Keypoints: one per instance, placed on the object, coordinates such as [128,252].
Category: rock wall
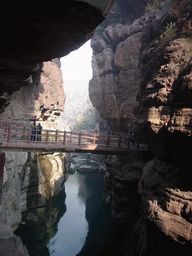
[116,61]
[167,203]
[10,245]
[142,73]
[36,32]
[43,99]
[29,181]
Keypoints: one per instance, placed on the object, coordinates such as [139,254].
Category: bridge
[16,137]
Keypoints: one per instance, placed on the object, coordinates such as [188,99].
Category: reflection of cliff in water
[41,224]
[101,235]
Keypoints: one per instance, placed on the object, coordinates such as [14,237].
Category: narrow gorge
[142,73]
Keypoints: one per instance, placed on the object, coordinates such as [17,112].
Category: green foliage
[41,213]
[152,5]
[168,34]
[189,8]
[87,122]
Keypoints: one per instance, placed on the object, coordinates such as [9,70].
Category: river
[82,224]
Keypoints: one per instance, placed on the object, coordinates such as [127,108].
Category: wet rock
[87,163]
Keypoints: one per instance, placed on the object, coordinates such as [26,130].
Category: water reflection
[73,227]
[100,238]
[41,225]
[86,228]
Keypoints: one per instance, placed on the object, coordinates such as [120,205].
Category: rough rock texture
[10,245]
[167,200]
[167,97]
[167,204]
[116,62]
[121,178]
[2,163]
[143,68]
[42,100]
[11,189]
[29,181]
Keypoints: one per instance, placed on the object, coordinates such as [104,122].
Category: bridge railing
[14,133]
[11,133]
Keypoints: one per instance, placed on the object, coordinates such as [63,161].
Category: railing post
[23,133]
[85,139]
[128,143]
[47,137]
[108,141]
[137,144]
[6,131]
[64,138]
[9,134]
[119,141]
[29,136]
[79,139]
[94,139]
[71,136]
[56,135]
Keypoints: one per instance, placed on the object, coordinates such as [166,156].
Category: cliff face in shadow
[41,224]
[37,31]
[142,74]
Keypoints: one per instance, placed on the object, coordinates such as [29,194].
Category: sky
[77,65]
[76,72]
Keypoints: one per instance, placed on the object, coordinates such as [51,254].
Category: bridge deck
[18,138]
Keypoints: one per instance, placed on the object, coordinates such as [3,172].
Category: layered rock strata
[167,201]
[143,68]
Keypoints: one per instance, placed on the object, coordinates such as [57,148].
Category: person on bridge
[33,131]
[39,132]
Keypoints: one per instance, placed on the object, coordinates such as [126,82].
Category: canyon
[141,78]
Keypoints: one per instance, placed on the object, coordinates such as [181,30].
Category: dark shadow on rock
[161,245]
[41,225]
[101,238]
[173,147]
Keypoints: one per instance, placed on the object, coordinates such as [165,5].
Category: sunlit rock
[29,181]
[167,200]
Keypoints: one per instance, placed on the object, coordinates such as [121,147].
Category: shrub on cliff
[152,5]
[87,121]
[169,33]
